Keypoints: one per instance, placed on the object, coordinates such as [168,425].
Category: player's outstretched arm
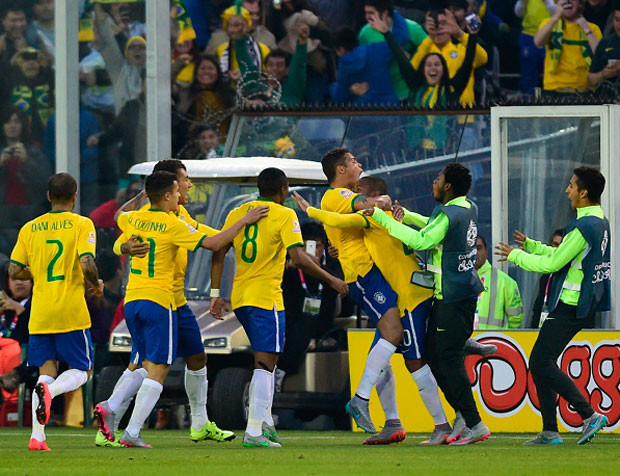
[303,261]
[130,205]
[89,268]
[362,202]
[17,271]
[425,239]
[224,237]
[338,220]
[132,246]
[217,304]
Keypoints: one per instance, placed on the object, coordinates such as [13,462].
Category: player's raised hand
[301,201]
[96,291]
[398,212]
[503,250]
[256,214]
[333,251]
[135,247]
[216,306]
[340,286]
[384,202]
[519,237]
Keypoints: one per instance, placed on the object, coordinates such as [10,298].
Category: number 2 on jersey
[50,267]
[251,233]
[151,260]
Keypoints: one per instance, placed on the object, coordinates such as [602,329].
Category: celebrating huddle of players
[425,310]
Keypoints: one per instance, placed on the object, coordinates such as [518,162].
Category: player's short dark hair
[381,5]
[280,53]
[331,160]
[459,177]
[158,184]
[345,37]
[484,242]
[169,165]
[591,180]
[271,181]
[61,187]
[376,184]
[616,5]
[313,230]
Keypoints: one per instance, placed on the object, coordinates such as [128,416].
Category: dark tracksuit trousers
[557,331]
[449,327]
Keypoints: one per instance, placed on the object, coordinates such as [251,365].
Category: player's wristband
[215,293]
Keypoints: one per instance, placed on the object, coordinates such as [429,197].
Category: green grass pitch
[303,453]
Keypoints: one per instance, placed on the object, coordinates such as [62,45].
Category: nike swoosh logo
[440,330]
[608,49]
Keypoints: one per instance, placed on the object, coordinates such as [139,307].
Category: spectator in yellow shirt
[450,41]
[570,42]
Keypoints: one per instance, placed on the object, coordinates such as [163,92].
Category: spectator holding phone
[606,62]
[570,42]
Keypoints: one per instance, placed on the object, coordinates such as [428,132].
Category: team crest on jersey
[454,55]
[91,238]
[379,297]
[296,227]
[604,243]
[346,193]
[472,233]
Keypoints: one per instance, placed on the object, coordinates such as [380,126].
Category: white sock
[196,389]
[378,359]
[126,387]
[268,416]
[38,430]
[147,397]
[386,388]
[427,387]
[68,381]
[261,390]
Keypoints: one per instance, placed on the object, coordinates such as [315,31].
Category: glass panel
[306,138]
[542,153]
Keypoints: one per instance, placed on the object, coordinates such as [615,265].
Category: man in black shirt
[598,12]
[606,61]
[310,305]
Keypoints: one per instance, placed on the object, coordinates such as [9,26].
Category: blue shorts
[189,337]
[373,293]
[75,348]
[153,330]
[264,327]
[414,331]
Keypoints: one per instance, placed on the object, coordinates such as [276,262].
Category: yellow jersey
[572,70]
[178,283]
[260,252]
[51,245]
[353,254]
[396,261]
[454,54]
[151,277]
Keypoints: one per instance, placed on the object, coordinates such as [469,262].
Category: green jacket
[403,29]
[294,86]
[544,259]
[506,304]
[429,237]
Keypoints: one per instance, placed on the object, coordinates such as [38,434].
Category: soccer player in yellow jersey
[260,253]
[398,263]
[367,286]
[57,251]
[190,345]
[150,310]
